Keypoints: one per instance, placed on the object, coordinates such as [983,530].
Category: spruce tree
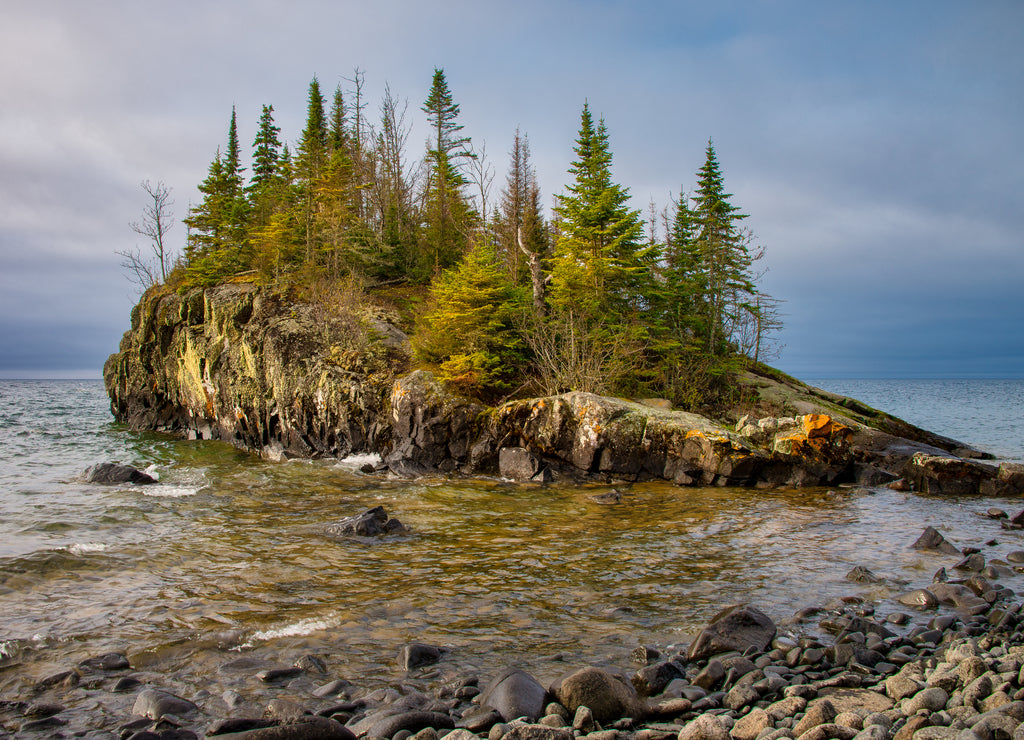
[448,214]
[722,249]
[266,151]
[601,262]
[310,159]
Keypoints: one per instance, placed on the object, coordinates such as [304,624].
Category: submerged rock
[115,473]
[371,523]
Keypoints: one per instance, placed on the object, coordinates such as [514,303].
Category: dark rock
[740,627]
[645,654]
[126,684]
[607,696]
[114,473]
[515,694]
[653,679]
[860,574]
[519,464]
[154,704]
[994,513]
[418,655]
[974,563]
[312,664]
[309,727]
[43,725]
[609,498]
[387,723]
[332,689]
[479,720]
[270,675]
[108,662]
[931,539]
[1017,556]
[371,523]
[710,676]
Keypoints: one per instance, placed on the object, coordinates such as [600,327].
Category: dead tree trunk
[537,277]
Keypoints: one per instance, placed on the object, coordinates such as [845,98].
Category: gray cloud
[876,146]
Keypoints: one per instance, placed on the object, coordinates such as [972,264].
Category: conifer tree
[337,133]
[722,249]
[469,329]
[266,151]
[519,218]
[600,262]
[310,159]
[448,214]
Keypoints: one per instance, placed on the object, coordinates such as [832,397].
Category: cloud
[875,145]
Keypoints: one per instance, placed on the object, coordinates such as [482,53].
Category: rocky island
[282,378]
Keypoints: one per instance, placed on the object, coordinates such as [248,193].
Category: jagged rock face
[236,363]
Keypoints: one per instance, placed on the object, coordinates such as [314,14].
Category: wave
[81,548]
[300,628]
[355,462]
[169,491]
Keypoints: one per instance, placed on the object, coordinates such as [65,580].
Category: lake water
[225,558]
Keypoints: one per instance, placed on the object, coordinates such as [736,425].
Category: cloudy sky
[878,147]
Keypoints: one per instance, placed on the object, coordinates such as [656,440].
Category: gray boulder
[738,627]
[608,697]
[519,464]
[154,704]
[515,694]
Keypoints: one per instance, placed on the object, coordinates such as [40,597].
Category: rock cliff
[287,378]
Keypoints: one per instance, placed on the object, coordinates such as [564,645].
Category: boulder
[738,627]
[607,696]
[154,704]
[418,655]
[931,539]
[515,694]
[704,727]
[519,464]
[944,474]
[386,723]
[109,474]
[371,523]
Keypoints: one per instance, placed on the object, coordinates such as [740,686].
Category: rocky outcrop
[248,366]
[285,378]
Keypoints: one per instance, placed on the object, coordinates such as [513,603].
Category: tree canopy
[614,308]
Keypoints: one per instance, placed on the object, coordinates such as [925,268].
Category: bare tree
[149,268]
[482,174]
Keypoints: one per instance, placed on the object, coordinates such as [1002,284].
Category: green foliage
[469,326]
[613,310]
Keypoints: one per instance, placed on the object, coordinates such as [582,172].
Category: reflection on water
[223,564]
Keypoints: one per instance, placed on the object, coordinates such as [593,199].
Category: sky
[877,147]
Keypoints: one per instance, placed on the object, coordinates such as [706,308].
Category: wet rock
[418,655]
[309,727]
[515,694]
[109,474]
[519,464]
[974,563]
[371,523]
[386,723]
[608,697]
[155,703]
[740,627]
[860,574]
[645,654]
[283,673]
[932,699]
[653,679]
[710,676]
[312,664]
[931,539]
[921,598]
[1017,556]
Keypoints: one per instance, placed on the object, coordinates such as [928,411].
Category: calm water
[225,558]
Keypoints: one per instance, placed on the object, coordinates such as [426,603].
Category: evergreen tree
[469,329]
[266,151]
[722,249]
[309,164]
[601,263]
[448,214]
[519,214]
[682,285]
[338,133]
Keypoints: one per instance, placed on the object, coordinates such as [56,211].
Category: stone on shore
[155,703]
[931,539]
[514,694]
[740,627]
[608,697]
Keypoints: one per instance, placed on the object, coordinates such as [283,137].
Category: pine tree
[601,262]
[469,329]
[338,132]
[519,212]
[309,163]
[682,284]
[448,214]
[266,151]
[722,249]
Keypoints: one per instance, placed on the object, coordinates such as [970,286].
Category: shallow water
[225,558]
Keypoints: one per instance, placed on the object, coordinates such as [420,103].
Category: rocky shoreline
[290,379]
[947,665]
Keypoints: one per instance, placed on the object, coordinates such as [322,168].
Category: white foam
[81,548]
[169,491]
[151,471]
[296,629]
[354,462]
